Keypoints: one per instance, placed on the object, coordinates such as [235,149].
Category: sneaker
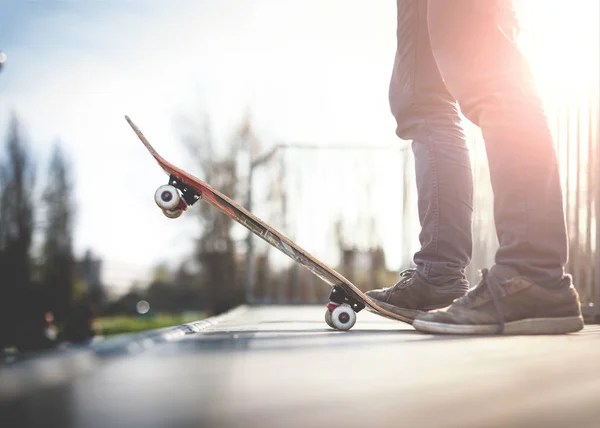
[413,295]
[505,303]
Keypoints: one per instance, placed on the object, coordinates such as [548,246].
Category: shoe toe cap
[379,295]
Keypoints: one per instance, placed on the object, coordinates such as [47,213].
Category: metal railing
[352,181]
[573,111]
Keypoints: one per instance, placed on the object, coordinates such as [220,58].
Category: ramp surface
[283,367]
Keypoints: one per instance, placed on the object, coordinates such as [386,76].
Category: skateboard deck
[184,190]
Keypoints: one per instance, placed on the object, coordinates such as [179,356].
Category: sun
[562,43]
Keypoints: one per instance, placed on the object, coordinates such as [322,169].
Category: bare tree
[216,249]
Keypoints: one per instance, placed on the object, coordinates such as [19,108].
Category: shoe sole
[525,326]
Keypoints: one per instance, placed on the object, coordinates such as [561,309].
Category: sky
[308,72]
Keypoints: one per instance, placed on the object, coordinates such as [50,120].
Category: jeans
[461,54]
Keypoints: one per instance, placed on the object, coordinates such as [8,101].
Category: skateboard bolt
[344,317]
[166,196]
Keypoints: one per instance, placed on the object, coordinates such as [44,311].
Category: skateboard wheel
[328,318]
[166,197]
[173,213]
[343,317]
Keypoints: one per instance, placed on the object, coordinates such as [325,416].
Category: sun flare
[562,42]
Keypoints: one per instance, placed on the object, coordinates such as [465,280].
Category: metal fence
[562,41]
[571,96]
[569,85]
[332,201]
[574,124]
[374,193]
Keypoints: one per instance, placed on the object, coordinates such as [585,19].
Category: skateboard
[184,190]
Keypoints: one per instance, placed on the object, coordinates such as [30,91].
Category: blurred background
[282,105]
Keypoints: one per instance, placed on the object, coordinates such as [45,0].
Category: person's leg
[428,115]
[485,71]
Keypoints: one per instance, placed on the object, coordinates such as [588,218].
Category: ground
[283,367]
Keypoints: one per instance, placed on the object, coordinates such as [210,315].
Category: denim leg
[473,45]
[428,115]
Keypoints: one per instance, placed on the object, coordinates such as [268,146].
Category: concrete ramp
[283,367]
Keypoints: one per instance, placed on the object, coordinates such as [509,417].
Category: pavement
[282,366]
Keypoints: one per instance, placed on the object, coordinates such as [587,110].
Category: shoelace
[494,287]
[405,277]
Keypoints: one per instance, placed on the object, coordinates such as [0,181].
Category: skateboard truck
[339,296]
[188,195]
